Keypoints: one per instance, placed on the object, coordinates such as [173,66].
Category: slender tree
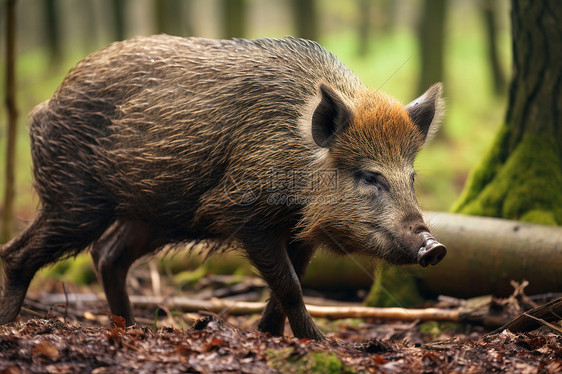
[305,14]
[119,18]
[431,41]
[389,9]
[489,10]
[52,31]
[364,26]
[234,18]
[90,25]
[12,112]
[170,16]
[374,17]
[521,176]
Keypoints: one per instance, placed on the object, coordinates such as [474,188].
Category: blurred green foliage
[286,361]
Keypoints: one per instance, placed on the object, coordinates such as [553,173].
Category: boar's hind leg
[273,320]
[272,260]
[52,235]
[113,254]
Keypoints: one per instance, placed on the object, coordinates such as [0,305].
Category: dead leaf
[116,320]
[46,349]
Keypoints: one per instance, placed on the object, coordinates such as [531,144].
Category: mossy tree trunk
[521,176]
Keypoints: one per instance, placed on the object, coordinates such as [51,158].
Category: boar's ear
[427,111]
[330,117]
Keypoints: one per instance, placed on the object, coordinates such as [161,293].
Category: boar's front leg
[273,320]
[272,260]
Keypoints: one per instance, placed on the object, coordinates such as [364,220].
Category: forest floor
[83,337]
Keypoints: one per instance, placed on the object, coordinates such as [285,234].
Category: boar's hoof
[431,252]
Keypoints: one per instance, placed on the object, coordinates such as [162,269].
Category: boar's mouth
[428,251]
[431,251]
[399,253]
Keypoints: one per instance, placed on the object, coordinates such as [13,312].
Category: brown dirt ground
[216,345]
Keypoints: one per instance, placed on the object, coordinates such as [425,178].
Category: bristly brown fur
[381,125]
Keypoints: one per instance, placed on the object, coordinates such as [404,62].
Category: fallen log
[485,254]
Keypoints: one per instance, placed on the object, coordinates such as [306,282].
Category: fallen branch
[528,321]
[399,314]
[194,305]
[331,312]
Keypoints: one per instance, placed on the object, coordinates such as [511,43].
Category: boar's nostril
[432,252]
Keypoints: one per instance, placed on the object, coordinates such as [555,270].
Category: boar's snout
[431,251]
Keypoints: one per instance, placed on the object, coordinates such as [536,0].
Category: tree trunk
[52,31]
[389,10]
[521,176]
[11,110]
[119,18]
[364,27]
[169,16]
[305,14]
[431,41]
[489,11]
[90,25]
[374,18]
[234,18]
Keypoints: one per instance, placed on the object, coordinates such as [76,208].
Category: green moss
[189,278]
[540,216]
[328,325]
[324,363]
[286,361]
[393,287]
[435,329]
[481,176]
[525,187]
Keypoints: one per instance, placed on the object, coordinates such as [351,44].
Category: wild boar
[270,144]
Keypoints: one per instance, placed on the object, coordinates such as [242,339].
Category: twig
[547,324]
[155,277]
[32,312]
[65,301]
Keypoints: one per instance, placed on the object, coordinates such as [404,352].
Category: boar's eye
[373,179]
